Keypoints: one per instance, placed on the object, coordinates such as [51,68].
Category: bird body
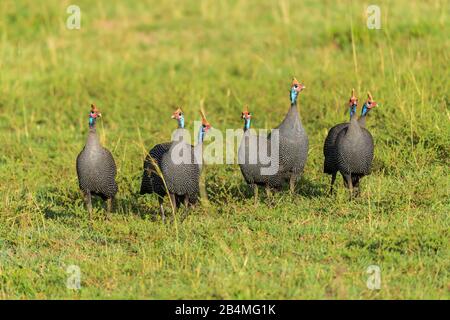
[348,147]
[293,141]
[293,144]
[151,179]
[354,146]
[257,154]
[182,179]
[249,158]
[96,168]
[179,165]
[329,148]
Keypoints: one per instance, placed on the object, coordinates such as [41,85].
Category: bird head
[179,116]
[296,88]
[247,116]
[204,127]
[353,103]
[368,105]
[93,115]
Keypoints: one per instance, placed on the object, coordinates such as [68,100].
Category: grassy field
[138,61]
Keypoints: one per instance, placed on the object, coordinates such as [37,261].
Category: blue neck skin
[364,110]
[247,124]
[294,95]
[201,134]
[91,122]
[352,111]
[181,122]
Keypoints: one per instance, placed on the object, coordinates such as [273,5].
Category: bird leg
[255,192]
[292,181]
[333,178]
[356,186]
[88,201]
[350,185]
[161,209]
[109,207]
[179,200]
[268,192]
[174,204]
[344,178]
[186,207]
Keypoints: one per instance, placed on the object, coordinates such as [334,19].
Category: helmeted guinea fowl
[96,168]
[293,140]
[179,163]
[365,110]
[329,147]
[255,156]
[255,161]
[354,150]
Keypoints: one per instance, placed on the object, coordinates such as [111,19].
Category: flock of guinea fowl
[348,149]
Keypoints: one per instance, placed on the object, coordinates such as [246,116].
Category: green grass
[138,61]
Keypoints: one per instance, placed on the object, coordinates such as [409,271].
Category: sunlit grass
[138,61]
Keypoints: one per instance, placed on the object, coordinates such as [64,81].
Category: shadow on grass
[220,193]
[146,207]
[136,204]
[310,189]
[65,203]
[52,213]
[58,203]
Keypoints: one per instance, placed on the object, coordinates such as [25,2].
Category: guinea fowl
[96,168]
[292,150]
[329,147]
[293,140]
[174,167]
[249,158]
[354,150]
[365,110]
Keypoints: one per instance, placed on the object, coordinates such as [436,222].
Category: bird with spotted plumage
[174,167]
[355,149]
[329,147]
[292,144]
[96,168]
[253,153]
[293,140]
